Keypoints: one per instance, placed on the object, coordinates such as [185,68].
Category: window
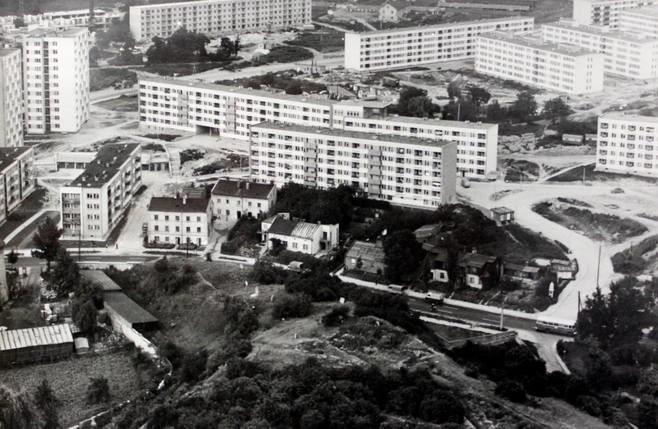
[155,217]
[198,229]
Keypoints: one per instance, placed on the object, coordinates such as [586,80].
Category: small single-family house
[299,236]
[234,199]
[426,232]
[502,215]
[480,271]
[366,257]
[524,273]
[388,13]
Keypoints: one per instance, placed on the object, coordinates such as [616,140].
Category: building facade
[567,69]
[643,21]
[179,220]
[406,47]
[405,171]
[56,80]
[66,18]
[235,199]
[604,12]
[11,98]
[214,17]
[93,204]
[626,54]
[168,104]
[299,236]
[17,177]
[627,144]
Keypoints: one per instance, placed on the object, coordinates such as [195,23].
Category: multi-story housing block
[179,220]
[95,201]
[627,144]
[643,20]
[405,171]
[604,12]
[11,98]
[65,18]
[56,80]
[167,104]
[235,199]
[214,17]
[406,47]
[627,54]
[569,69]
[17,178]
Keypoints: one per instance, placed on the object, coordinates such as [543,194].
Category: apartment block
[169,104]
[626,54]
[627,144]
[56,80]
[65,18]
[528,60]
[604,12]
[405,171]
[11,98]
[17,177]
[93,203]
[642,21]
[214,17]
[179,220]
[413,46]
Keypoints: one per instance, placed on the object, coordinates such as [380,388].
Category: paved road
[91,258]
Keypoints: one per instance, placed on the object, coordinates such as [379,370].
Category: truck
[434,297]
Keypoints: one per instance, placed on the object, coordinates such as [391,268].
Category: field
[639,259]
[107,77]
[576,175]
[519,170]
[125,103]
[70,378]
[323,40]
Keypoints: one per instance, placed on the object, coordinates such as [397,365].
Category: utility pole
[502,313]
[598,267]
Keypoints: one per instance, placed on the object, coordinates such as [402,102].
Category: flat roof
[442,122]
[371,104]
[629,117]
[185,3]
[9,154]
[601,31]
[8,51]
[105,165]
[34,337]
[178,205]
[55,32]
[443,25]
[537,43]
[645,11]
[335,132]
[100,278]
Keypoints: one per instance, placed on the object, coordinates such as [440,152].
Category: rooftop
[194,2]
[55,32]
[599,30]
[128,309]
[35,337]
[242,189]
[100,278]
[178,205]
[292,228]
[105,165]
[441,26]
[502,210]
[476,260]
[8,51]
[368,104]
[537,43]
[335,132]
[367,251]
[646,11]
[9,154]
[629,117]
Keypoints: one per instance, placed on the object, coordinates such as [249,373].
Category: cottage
[480,271]
[234,199]
[178,220]
[366,257]
[525,273]
[502,215]
[304,237]
[388,13]
[426,232]
[42,344]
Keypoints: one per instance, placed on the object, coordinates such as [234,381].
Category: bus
[555,325]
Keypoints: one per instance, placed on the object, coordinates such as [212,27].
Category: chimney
[184,199]
[246,186]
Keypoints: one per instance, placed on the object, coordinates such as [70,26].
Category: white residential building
[388,13]
[627,144]
[235,199]
[65,18]
[298,236]
[405,171]
[17,177]
[214,17]
[413,46]
[626,54]
[168,104]
[179,220]
[11,98]
[564,68]
[604,12]
[96,200]
[56,80]
[643,20]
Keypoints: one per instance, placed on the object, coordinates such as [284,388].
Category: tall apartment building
[11,98]
[56,80]
[569,69]
[604,12]
[17,178]
[65,18]
[168,104]
[625,54]
[95,201]
[627,144]
[643,20]
[213,17]
[405,47]
[405,171]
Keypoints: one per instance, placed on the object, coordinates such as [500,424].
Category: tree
[414,102]
[403,254]
[479,95]
[16,410]
[48,404]
[556,108]
[86,317]
[98,391]
[12,257]
[525,106]
[66,273]
[46,241]
[454,89]
[495,112]
[292,305]
[461,110]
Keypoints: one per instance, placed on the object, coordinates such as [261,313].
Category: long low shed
[42,344]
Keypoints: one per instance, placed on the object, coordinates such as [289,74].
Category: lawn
[125,103]
[323,40]
[107,77]
[70,378]
[637,259]
[520,170]
[184,69]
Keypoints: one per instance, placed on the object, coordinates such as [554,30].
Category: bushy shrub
[98,391]
[512,390]
[336,316]
[290,306]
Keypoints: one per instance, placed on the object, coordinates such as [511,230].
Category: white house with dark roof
[235,199]
[179,220]
[298,236]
